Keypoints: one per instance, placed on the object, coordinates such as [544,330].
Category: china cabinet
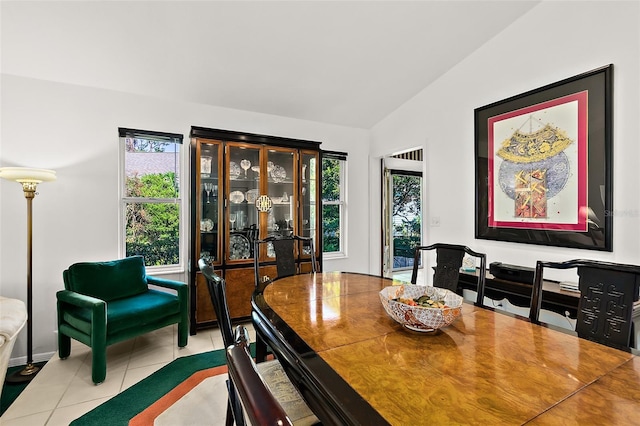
[245,187]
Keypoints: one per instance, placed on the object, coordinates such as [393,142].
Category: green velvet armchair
[107,302]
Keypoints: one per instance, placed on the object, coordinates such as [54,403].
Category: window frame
[341,203]
[125,133]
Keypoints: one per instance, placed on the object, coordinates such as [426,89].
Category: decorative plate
[236,197]
[239,247]
[252,195]
[278,173]
[206,225]
[234,170]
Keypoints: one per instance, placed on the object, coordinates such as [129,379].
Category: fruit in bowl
[421,308]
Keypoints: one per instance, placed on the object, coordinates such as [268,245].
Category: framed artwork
[543,165]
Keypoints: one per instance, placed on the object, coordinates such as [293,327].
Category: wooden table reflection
[356,365]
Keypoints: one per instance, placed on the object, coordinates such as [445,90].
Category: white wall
[555,40]
[74,130]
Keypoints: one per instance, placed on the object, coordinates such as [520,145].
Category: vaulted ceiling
[345,63]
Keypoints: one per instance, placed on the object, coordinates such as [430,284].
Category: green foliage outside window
[331,228]
[406,218]
[330,212]
[153,229]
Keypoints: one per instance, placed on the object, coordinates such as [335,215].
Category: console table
[519,294]
[554,299]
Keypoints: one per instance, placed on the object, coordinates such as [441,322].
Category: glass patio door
[402,215]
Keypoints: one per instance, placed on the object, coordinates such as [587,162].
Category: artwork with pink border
[543,165]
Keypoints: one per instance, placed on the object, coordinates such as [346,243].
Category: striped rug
[189,390]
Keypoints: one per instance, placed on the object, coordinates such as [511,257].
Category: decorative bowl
[421,318]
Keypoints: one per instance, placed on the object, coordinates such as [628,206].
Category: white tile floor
[63,390]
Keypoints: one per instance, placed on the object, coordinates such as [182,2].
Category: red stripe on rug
[148,415]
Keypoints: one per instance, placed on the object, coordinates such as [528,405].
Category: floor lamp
[29,178]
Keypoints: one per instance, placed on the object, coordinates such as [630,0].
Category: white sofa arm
[13,316]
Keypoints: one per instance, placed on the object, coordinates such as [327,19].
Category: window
[151,207]
[333,203]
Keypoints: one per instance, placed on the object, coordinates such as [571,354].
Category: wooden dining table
[355,365]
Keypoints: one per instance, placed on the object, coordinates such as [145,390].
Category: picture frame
[543,165]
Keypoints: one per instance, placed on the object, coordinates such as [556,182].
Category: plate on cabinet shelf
[239,247]
[234,170]
[236,197]
[278,174]
[206,225]
[252,195]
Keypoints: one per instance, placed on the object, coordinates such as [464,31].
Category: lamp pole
[29,193]
[29,178]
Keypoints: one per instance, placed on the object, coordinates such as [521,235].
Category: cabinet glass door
[209,200]
[281,190]
[242,219]
[308,197]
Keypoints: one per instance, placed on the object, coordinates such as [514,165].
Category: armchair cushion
[123,314]
[116,279]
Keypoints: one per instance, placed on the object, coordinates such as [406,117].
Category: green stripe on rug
[127,404]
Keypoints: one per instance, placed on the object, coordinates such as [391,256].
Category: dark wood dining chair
[607,294]
[278,257]
[261,391]
[448,263]
[261,405]
[282,255]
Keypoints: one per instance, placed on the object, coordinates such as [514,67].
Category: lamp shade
[27,174]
